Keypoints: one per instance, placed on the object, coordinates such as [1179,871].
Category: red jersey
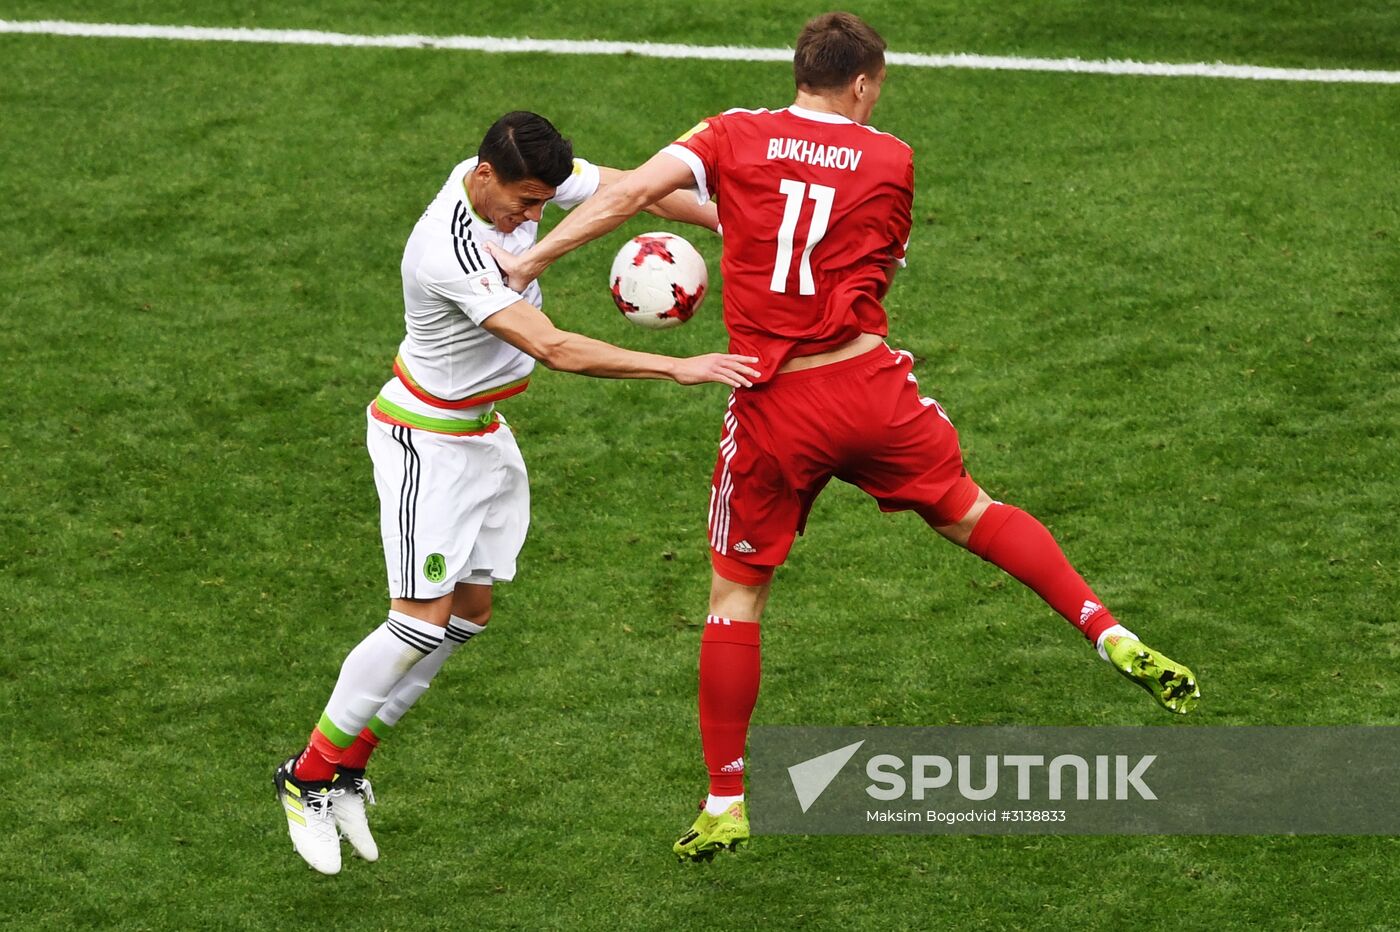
[815,208]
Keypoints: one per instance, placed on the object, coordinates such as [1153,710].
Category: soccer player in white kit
[454,499]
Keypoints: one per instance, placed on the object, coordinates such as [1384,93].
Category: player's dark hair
[833,49]
[524,145]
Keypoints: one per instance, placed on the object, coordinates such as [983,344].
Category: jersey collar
[821,116]
[467,198]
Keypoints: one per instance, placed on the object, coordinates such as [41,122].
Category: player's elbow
[627,197]
[552,351]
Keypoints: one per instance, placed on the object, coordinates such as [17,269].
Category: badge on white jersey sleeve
[578,187]
[479,292]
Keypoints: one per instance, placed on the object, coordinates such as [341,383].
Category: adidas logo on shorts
[744,546]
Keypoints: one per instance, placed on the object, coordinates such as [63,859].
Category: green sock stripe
[333,734]
[379,728]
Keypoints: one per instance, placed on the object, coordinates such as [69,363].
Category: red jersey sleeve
[902,216]
[699,148]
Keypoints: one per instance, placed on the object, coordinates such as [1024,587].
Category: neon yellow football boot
[711,833]
[1172,684]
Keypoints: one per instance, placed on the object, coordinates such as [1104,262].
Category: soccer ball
[658,280]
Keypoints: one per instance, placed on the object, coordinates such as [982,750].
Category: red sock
[1009,538]
[729,662]
[356,756]
[317,763]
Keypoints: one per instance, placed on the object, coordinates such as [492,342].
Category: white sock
[374,666]
[714,805]
[415,682]
[1117,630]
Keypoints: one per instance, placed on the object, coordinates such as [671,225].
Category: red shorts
[861,420]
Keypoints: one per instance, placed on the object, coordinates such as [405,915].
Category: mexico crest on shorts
[435,568]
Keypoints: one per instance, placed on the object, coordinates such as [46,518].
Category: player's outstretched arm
[680,206]
[525,327]
[601,214]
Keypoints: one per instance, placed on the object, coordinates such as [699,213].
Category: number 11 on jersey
[794,191]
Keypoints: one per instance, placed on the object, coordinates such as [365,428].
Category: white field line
[706,52]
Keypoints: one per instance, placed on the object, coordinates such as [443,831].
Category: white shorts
[451,509]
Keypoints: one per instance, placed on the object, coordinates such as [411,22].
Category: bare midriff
[861,344]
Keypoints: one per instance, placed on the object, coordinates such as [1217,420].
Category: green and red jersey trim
[381,409]
[455,404]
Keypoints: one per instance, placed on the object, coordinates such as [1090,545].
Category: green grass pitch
[1162,313]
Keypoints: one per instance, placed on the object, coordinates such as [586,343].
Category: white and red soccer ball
[658,280]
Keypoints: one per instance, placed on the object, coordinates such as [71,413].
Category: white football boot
[353,793]
[310,816]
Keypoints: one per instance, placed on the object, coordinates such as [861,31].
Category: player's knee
[476,613]
[472,602]
[479,616]
[962,504]
[974,514]
[737,590]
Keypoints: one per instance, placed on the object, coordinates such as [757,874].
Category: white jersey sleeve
[578,187]
[467,277]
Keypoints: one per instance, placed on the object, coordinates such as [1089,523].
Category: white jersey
[450,369]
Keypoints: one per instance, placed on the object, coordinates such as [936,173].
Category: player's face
[511,203]
[867,90]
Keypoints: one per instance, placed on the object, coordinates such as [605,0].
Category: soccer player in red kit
[815,207]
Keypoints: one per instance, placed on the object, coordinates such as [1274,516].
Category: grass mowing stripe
[699,52]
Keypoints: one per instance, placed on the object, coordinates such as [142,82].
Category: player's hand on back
[518,271]
[716,367]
